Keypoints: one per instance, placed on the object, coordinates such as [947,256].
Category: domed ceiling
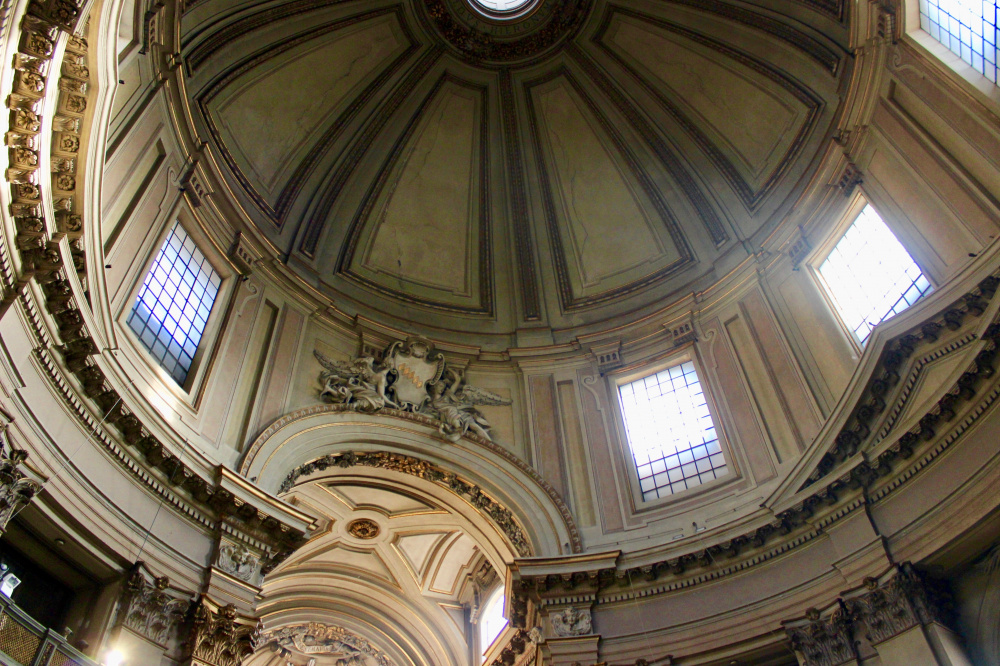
[429,163]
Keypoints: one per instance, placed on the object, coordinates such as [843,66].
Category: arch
[423,555]
[476,469]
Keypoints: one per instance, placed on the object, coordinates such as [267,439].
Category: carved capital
[148,609]
[902,600]
[219,636]
[823,640]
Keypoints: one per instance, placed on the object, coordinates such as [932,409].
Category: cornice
[785,525]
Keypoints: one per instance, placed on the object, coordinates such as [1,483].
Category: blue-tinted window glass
[871,276]
[180,283]
[967,27]
[670,432]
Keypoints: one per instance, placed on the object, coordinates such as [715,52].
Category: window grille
[967,27]
[670,432]
[871,276]
[174,302]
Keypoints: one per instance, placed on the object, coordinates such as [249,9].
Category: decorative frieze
[237,560]
[571,621]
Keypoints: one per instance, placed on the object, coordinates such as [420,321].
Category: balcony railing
[24,642]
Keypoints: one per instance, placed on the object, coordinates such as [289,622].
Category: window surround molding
[615,379]
[158,378]
[814,260]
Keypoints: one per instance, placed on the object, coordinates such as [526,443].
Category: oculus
[503,9]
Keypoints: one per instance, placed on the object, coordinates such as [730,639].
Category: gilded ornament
[363,528]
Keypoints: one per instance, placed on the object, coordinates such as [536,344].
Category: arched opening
[396,568]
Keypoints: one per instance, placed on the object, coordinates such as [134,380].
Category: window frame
[823,250]
[190,392]
[947,62]
[626,375]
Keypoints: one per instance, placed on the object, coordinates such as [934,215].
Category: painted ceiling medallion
[522,30]
[363,528]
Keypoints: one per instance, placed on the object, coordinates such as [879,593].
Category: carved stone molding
[319,638]
[147,609]
[886,375]
[219,636]
[396,462]
[881,609]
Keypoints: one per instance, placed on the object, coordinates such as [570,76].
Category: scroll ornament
[411,377]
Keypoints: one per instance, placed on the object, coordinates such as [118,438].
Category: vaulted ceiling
[424,164]
[388,577]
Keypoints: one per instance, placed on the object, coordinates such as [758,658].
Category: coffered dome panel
[294,94]
[434,168]
[423,230]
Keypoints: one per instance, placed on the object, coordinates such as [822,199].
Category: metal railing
[24,642]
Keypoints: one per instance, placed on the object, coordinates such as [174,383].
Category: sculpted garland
[410,377]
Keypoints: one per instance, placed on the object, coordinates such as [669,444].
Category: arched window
[491,620]
[967,27]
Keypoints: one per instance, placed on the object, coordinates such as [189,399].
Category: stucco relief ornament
[237,560]
[411,377]
[571,622]
[16,489]
[318,638]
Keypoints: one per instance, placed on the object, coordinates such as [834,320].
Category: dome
[432,167]
[506,332]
